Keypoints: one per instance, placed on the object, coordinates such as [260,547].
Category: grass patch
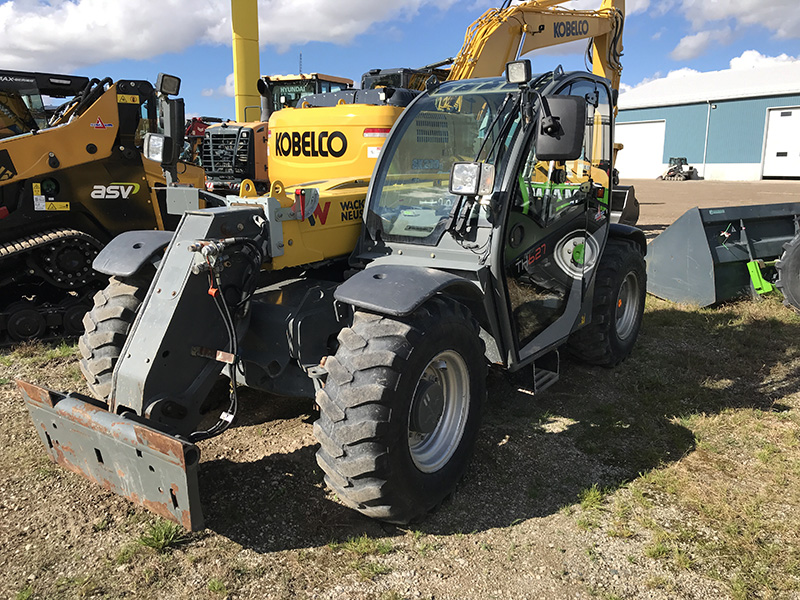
[705,421]
[217,586]
[24,594]
[127,553]
[369,570]
[364,545]
[102,524]
[163,535]
[592,498]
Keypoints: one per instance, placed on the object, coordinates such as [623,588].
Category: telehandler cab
[485,240]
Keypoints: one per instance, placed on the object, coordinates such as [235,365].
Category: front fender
[398,290]
[130,251]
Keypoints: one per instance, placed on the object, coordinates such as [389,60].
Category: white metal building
[734,125]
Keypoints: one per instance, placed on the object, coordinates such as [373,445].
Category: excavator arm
[502,34]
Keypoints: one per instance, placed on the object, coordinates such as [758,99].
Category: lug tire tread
[106,328]
[354,427]
[596,343]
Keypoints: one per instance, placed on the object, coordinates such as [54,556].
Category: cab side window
[596,158]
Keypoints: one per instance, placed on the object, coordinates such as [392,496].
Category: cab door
[554,233]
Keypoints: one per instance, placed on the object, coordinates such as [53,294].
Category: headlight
[518,71]
[471,179]
[154,146]
[169,85]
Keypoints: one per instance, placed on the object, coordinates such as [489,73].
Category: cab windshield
[461,121]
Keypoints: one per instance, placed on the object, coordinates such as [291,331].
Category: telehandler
[485,239]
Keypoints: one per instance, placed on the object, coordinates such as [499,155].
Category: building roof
[690,87]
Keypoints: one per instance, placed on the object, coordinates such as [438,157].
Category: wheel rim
[627,306]
[439,410]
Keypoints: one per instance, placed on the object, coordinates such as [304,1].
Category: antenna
[301,63]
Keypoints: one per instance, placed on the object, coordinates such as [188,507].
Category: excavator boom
[502,34]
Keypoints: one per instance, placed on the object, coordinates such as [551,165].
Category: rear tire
[788,269]
[106,328]
[400,410]
[618,306]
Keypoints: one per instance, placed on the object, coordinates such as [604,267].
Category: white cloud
[65,35]
[781,17]
[753,59]
[672,75]
[749,59]
[695,45]
[225,90]
[631,6]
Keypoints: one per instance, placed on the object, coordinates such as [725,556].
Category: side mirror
[559,134]
[471,179]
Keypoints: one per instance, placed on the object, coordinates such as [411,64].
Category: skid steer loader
[72,178]
[484,239]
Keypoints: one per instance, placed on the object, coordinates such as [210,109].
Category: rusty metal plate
[132,459]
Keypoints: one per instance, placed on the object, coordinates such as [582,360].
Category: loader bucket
[711,255]
[149,467]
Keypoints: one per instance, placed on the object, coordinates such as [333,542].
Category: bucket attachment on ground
[149,467]
[624,205]
[712,255]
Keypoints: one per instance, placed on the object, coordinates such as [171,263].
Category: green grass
[163,535]
[217,586]
[364,545]
[591,498]
[369,570]
[713,404]
[25,594]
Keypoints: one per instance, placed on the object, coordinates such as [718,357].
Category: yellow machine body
[80,153]
[313,144]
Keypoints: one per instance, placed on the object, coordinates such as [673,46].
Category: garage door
[782,145]
[643,155]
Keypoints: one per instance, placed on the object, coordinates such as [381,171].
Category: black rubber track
[106,328]
[598,343]
[365,405]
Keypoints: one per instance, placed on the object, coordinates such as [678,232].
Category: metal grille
[226,151]
[432,129]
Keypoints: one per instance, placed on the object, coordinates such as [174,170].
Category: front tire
[400,410]
[619,292]
[106,327]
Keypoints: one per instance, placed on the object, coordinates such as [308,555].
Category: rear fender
[627,232]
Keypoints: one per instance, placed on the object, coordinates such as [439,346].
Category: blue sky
[191,38]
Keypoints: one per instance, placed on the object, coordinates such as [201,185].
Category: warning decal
[100,125]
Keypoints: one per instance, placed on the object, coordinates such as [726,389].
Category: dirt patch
[604,486]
